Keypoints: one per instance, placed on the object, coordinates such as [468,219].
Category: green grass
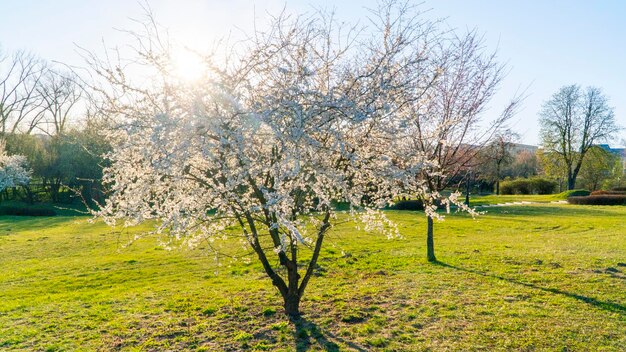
[539,277]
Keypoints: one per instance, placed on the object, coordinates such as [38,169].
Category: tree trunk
[498,179]
[430,242]
[292,290]
[571,182]
[292,304]
[292,296]
[571,178]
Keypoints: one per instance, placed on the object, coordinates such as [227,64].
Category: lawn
[532,277]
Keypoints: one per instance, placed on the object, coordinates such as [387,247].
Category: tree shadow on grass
[307,333]
[608,306]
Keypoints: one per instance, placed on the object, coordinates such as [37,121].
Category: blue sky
[546,44]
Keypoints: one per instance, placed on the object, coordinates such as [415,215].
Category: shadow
[308,333]
[608,306]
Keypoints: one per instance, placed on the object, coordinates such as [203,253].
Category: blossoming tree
[445,123]
[14,169]
[299,117]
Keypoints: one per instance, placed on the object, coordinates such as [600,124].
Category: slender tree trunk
[498,179]
[29,194]
[430,242]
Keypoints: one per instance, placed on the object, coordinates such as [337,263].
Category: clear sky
[546,44]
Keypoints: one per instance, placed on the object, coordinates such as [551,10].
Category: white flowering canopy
[287,124]
[283,133]
[14,169]
[264,146]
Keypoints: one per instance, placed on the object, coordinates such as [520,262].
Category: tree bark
[430,242]
[498,179]
[292,298]
[292,304]
[571,182]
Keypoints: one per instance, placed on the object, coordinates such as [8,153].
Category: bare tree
[498,154]
[21,106]
[60,93]
[572,121]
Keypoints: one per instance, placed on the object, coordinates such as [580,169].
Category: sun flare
[188,65]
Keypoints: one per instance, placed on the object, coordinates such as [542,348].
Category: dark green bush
[26,211]
[408,205]
[534,185]
[542,186]
[605,199]
[413,204]
[573,193]
[341,206]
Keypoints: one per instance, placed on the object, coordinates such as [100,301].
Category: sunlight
[188,65]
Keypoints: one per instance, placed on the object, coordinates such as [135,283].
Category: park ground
[521,277]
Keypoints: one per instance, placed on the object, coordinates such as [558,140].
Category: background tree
[33,148]
[13,169]
[21,106]
[444,123]
[60,92]
[497,156]
[525,164]
[599,166]
[553,166]
[572,121]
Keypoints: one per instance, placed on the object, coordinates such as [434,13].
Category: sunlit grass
[518,278]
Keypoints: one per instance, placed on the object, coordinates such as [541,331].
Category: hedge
[606,199]
[603,193]
[535,185]
[25,211]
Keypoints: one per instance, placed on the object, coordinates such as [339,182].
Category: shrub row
[602,193]
[605,199]
[25,211]
[535,185]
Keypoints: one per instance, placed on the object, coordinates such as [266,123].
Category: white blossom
[14,170]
